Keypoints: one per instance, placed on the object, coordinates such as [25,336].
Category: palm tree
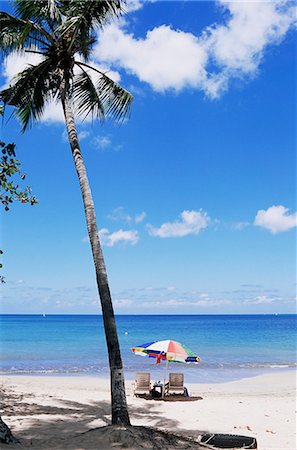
[62,33]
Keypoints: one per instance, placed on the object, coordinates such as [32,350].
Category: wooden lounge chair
[142,385]
[175,384]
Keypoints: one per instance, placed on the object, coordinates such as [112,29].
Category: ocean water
[230,346]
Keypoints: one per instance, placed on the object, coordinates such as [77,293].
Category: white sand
[263,407]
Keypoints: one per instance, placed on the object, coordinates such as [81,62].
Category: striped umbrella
[168,350]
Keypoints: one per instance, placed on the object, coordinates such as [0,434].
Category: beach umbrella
[167,350]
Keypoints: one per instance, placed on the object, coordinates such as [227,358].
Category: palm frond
[87,99]
[82,17]
[59,29]
[115,100]
[30,92]
[17,33]
[93,13]
[38,10]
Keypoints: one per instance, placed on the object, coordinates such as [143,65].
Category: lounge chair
[142,385]
[175,384]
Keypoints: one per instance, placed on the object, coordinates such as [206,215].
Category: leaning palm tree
[62,33]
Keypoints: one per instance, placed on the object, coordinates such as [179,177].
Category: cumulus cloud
[122,303]
[191,222]
[16,62]
[140,217]
[40,299]
[83,135]
[207,61]
[168,58]
[110,239]
[276,219]
[132,5]
[183,303]
[102,142]
[154,59]
[239,45]
[120,215]
[239,225]
[263,300]
[269,299]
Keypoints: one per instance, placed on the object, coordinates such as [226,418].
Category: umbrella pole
[165,376]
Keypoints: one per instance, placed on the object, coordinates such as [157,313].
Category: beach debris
[270,431]
[228,441]
[248,428]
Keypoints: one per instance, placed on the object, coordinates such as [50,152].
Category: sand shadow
[73,418]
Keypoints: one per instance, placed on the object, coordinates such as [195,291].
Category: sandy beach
[40,408]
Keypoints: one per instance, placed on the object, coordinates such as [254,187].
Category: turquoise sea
[230,346]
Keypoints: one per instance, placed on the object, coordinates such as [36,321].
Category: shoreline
[129,375]
[39,407]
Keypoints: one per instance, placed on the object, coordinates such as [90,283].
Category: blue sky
[195,195]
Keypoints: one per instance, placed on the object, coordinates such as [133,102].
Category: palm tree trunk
[6,436]
[118,395]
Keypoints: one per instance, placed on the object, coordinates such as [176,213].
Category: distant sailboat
[43,315]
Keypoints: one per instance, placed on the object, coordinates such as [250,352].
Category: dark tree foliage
[10,168]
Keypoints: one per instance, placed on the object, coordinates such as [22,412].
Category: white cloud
[109,239]
[253,25]
[263,300]
[17,62]
[171,288]
[168,58]
[206,303]
[183,303]
[83,135]
[191,222]
[237,47]
[132,5]
[154,59]
[268,300]
[53,113]
[83,299]
[173,59]
[140,217]
[122,303]
[276,219]
[119,214]
[102,142]
[239,225]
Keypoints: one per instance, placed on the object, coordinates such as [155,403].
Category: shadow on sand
[74,425]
